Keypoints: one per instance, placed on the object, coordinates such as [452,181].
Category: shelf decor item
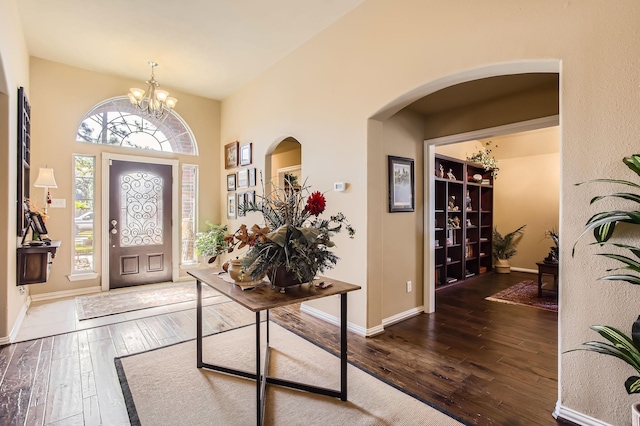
[484,158]
[294,245]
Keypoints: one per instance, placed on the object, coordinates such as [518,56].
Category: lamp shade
[45,179]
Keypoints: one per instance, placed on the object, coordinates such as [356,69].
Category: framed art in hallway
[231,205]
[401,184]
[243,178]
[245,155]
[231,182]
[242,198]
[252,177]
[231,155]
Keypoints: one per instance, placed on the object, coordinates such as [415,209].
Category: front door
[139,223]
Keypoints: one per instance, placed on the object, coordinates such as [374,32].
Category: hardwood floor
[486,363]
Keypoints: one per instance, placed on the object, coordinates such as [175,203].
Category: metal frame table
[264,298]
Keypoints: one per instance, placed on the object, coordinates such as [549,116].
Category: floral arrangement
[294,236]
[484,158]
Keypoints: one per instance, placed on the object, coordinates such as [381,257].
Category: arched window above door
[117,122]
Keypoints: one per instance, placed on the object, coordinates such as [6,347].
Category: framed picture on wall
[231,182]
[243,178]
[241,200]
[231,155]
[245,154]
[231,206]
[401,184]
[250,197]
[252,177]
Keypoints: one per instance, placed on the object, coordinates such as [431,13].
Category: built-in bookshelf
[463,220]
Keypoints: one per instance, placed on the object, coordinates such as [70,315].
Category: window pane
[117,122]
[84,178]
[188,231]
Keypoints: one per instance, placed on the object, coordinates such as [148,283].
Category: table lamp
[46,180]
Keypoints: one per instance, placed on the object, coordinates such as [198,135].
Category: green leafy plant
[212,242]
[484,158]
[504,247]
[603,226]
[554,252]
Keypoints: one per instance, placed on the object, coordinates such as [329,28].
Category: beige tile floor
[51,317]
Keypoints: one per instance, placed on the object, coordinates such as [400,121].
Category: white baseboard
[331,319]
[531,271]
[577,417]
[366,332]
[65,293]
[402,316]
[16,326]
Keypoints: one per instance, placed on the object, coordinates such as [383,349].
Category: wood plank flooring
[486,363]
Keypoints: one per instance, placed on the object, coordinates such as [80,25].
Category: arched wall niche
[283,157]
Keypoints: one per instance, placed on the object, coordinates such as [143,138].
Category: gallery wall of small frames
[240,181]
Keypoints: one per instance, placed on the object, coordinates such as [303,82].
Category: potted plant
[295,243]
[504,248]
[554,251]
[603,225]
[212,243]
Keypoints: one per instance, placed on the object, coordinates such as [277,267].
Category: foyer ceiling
[205,47]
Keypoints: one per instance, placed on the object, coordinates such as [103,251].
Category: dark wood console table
[34,262]
[263,298]
[550,269]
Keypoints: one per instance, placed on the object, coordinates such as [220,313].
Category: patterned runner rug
[526,293]
[133,299]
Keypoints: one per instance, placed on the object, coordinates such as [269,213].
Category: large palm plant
[504,247]
[603,226]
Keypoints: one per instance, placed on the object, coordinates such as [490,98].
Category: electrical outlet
[408,286]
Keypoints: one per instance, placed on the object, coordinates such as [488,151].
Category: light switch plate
[58,203]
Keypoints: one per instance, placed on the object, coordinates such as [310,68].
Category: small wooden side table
[549,269]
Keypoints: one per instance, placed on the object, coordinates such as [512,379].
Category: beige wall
[403,232]
[14,64]
[324,93]
[61,96]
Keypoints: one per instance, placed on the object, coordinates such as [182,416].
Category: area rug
[526,293]
[120,301]
[164,387]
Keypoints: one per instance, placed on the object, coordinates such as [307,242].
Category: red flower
[316,203]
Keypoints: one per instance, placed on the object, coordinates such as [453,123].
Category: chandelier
[156,102]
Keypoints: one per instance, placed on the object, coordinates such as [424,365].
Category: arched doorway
[440,126]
